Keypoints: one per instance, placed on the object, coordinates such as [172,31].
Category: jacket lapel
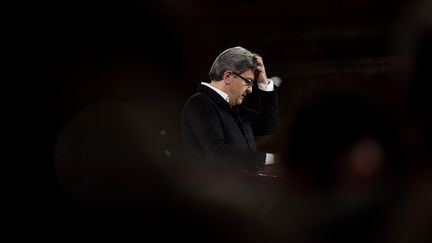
[215,97]
[223,104]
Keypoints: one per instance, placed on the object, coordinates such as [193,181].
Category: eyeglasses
[248,81]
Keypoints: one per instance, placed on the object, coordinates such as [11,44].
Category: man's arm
[268,117]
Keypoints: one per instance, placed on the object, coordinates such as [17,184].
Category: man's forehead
[248,74]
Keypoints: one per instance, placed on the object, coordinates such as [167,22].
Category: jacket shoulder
[199,98]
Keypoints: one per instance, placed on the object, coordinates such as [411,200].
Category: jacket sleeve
[267,119]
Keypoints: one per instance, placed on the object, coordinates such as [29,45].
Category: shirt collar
[220,92]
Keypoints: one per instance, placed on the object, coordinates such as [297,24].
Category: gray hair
[236,59]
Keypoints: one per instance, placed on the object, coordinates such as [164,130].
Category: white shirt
[220,92]
[264,87]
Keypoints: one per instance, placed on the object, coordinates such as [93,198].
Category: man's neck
[215,86]
[218,85]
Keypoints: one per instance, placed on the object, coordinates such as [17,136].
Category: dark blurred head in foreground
[340,142]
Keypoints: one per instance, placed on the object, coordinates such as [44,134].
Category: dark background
[80,52]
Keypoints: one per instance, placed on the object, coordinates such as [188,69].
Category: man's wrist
[266,87]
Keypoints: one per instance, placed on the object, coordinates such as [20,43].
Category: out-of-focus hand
[273,159]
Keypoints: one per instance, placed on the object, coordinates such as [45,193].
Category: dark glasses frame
[249,82]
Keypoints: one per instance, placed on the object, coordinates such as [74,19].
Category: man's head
[233,72]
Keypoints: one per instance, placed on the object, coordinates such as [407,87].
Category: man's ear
[227,77]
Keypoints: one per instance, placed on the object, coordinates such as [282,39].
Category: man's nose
[249,89]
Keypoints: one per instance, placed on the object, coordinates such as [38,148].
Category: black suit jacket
[216,134]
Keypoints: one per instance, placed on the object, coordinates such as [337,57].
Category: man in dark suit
[216,130]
